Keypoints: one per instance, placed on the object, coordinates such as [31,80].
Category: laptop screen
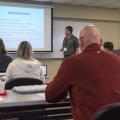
[44,68]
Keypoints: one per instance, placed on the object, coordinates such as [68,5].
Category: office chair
[109,112]
[21,82]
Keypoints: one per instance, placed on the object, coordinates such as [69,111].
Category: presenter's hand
[62,49]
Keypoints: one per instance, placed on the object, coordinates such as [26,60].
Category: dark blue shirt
[71,44]
[5,62]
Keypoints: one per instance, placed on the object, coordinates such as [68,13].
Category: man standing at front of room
[70,43]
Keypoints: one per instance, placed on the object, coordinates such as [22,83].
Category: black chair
[109,112]
[22,81]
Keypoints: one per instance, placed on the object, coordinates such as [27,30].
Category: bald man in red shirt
[92,78]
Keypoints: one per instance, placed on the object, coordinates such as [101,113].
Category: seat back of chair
[109,112]
[21,82]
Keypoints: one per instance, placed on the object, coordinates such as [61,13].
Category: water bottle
[2,85]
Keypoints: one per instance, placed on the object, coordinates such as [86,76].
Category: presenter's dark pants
[65,56]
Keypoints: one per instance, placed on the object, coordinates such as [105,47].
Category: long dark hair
[2,47]
[2,50]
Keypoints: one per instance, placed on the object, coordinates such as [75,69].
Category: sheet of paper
[1,99]
[42,96]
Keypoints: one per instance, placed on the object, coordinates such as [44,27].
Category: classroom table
[17,106]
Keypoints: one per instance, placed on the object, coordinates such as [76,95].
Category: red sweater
[92,79]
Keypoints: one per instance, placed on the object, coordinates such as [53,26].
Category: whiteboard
[58,36]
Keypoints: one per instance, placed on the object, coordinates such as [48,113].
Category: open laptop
[44,68]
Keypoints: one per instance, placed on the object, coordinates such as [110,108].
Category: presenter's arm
[58,88]
[63,45]
[77,50]
[77,46]
[62,49]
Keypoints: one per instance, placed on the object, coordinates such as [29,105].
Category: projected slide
[22,23]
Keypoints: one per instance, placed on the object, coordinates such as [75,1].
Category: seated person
[24,65]
[108,46]
[4,59]
[92,78]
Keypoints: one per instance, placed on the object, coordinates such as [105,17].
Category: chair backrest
[109,112]
[22,81]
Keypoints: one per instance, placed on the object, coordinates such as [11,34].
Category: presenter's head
[89,35]
[24,50]
[68,31]
[2,47]
[108,46]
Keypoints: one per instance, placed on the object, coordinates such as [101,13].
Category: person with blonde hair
[24,65]
[4,59]
[92,78]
